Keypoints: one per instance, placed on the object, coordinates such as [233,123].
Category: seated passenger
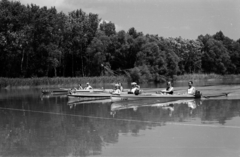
[169,89]
[88,86]
[133,88]
[117,89]
[121,87]
[191,90]
[79,87]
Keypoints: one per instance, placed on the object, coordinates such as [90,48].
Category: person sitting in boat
[121,87]
[191,89]
[79,87]
[168,90]
[88,86]
[135,89]
[117,89]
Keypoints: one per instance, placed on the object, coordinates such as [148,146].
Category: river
[36,125]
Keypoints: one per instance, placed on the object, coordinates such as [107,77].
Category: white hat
[87,83]
[133,83]
[117,85]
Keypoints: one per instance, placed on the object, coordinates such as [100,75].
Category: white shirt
[88,87]
[191,90]
[133,89]
[117,91]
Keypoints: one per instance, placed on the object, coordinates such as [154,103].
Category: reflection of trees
[220,110]
[24,133]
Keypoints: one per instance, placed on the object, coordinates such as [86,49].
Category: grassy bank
[198,77]
[58,81]
[73,81]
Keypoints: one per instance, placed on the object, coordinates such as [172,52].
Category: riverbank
[74,81]
[197,77]
[57,81]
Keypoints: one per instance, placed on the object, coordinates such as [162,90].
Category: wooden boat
[87,96]
[82,101]
[66,91]
[162,97]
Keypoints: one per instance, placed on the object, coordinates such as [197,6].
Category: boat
[73,97]
[103,101]
[66,91]
[162,97]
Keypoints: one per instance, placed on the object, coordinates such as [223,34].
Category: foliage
[41,42]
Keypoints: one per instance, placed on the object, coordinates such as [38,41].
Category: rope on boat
[127,120]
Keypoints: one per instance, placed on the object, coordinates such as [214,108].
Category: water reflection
[169,106]
[35,126]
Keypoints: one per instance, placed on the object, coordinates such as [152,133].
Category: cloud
[177,28]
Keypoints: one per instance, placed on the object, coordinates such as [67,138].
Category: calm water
[32,125]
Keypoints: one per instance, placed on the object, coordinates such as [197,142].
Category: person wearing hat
[135,88]
[117,89]
[88,86]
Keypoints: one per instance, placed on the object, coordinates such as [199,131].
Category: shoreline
[45,82]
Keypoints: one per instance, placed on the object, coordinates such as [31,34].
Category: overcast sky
[167,18]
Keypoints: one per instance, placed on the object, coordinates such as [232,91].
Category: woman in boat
[121,87]
[191,89]
[88,86]
[169,89]
[117,89]
[79,87]
[135,89]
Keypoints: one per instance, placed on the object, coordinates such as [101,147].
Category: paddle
[218,95]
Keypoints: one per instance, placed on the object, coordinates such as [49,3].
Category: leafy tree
[108,28]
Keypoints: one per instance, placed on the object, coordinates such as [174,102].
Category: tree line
[39,41]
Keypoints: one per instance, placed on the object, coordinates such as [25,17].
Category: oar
[218,95]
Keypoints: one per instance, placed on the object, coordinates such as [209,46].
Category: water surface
[32,125]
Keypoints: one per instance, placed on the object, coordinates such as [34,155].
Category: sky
[166,18]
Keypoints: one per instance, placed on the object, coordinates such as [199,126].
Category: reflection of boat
[163,97]
[46,96]
[54,92]
[136,104]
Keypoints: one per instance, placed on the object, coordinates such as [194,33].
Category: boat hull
[79,97]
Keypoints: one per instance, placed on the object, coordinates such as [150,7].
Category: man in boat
[191,89]
[168,90]
[88,86]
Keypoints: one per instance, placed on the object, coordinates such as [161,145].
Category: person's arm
[170,90]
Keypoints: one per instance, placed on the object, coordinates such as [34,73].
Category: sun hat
[133,83]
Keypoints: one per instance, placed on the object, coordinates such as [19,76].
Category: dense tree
[38,41]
